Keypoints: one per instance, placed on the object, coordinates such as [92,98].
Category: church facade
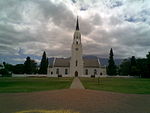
[77,64]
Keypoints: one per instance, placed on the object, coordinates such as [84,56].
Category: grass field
[9,85]
[122,85]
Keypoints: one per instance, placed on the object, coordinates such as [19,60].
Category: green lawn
[122,85]
[29,84]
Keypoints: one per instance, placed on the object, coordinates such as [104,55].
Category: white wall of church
[94,71]
[87,72]
[55,71]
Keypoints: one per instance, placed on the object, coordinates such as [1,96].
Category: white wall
[62,72]
[91,71]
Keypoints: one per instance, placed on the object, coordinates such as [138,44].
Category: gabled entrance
[76,74]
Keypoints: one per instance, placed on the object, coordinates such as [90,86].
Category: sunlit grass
[122,85]
[27,84]
[47,111]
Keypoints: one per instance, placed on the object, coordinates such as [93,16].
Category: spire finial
[77,25]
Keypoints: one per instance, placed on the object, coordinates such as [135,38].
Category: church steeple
[77,24]
[76,61]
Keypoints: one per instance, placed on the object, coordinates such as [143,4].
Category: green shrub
[5,73]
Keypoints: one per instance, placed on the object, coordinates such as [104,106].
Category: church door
[76,74]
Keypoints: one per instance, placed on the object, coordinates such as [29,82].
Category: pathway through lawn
[76,84]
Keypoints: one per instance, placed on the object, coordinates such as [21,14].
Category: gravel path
[76,84]
[84,101]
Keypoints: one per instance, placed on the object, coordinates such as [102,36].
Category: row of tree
[139,67]
[29,67]
[131,66]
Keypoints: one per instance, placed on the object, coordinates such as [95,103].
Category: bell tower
[76,62]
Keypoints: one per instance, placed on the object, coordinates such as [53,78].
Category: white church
[76,65]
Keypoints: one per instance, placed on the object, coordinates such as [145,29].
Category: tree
[141,67]
[9,67]
[133,71]
[34,67]
[18,69]
[133,61]
[7,70]
[111,69]
[125,67]
[43,64]
[5,73]
[27,66]
[133,67]
[30,66]
[148,64]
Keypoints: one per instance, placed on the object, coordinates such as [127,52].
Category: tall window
[76,42]
[57,71]
[76,63]
[66,71]
[95,72]
[86,72]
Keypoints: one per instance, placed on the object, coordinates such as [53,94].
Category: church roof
[93,63]
[65,62]
[61,62]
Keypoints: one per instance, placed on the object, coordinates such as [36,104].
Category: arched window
[86,72]
[76,63]
[101,73]
[57,71]
[66,71]
[95,72]
[76,42]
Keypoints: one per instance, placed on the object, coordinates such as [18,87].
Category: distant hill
[50,60]
[104,61]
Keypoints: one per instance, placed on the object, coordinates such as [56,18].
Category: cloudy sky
[29,27]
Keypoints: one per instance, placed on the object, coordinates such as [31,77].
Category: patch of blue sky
[113,4]
[74,1]
[134,20]
[83,9]
[117,4]
[21,56]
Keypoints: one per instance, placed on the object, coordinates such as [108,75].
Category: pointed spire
[77,25]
